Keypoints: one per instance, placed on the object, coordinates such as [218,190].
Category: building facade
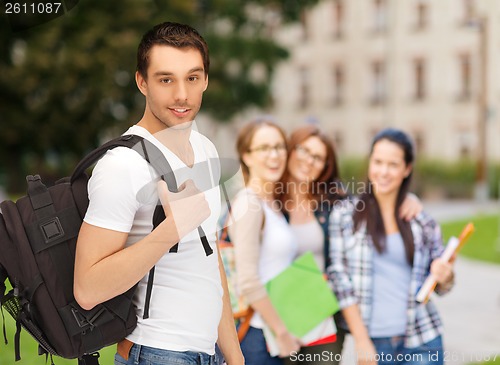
[357,66]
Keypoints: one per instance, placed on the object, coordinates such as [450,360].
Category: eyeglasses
[266,149]
[304,154]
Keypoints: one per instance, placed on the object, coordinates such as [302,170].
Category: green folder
[302,296]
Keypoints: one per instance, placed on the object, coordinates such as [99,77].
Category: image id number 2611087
[33,8]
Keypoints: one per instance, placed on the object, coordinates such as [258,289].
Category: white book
[430,282]
[324,330]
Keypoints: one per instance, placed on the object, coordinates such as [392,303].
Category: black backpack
[38,235]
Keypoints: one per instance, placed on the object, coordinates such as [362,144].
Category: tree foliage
[66,84]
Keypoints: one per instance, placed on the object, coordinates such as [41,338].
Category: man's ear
[206,83]
[141,83]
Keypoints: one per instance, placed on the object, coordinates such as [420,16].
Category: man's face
[174,85]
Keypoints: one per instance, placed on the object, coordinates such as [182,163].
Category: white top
[310,237]
[277,251]
[186,301]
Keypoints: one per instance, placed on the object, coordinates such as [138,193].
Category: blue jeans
[143,355]
[255,351]
[391,351]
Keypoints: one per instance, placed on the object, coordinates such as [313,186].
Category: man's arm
[228,339]
[105,269]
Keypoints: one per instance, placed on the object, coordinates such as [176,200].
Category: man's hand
[188,207]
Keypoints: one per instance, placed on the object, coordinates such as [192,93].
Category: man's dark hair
[174,35]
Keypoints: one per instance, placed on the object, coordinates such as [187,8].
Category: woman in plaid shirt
[379,261]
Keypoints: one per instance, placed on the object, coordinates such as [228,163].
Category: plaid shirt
[350,272]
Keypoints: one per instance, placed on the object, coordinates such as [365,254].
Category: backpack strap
[224,235]
[89,359]
[156,158]
[129,140]
[3,288]
[40,198]
[3,278]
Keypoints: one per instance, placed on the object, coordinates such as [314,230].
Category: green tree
[66,84]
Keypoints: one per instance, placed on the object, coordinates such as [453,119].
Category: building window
[468,12]
[304,87]
[465,77]
[380,16]
[465,139]
[378,83]
[338,85]
[419,79]
[338,19]
[418,138]
[421,19]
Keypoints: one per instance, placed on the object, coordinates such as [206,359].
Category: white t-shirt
[186,301]
[277,251]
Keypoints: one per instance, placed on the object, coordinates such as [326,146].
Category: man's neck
[176,139]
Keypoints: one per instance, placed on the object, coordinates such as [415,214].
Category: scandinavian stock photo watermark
[425,357]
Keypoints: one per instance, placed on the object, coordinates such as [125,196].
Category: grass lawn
[29,350]
[484,243]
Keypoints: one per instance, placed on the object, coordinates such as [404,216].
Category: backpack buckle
[89,359]
[80,319]
[83,321]
[52,229]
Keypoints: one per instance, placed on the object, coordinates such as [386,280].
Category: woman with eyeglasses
[379,261]
[310,189]
[264,244]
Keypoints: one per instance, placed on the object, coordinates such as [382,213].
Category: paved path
[444,211]
[471,311]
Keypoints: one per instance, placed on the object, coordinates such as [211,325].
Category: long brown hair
[327,187]
[245,137]
[368,209]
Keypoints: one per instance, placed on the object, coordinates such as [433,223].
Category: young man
[189,309]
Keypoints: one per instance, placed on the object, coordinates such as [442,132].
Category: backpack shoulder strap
[142,146]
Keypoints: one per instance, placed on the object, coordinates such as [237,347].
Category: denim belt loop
[205,359]
[137,354]
[395,340]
